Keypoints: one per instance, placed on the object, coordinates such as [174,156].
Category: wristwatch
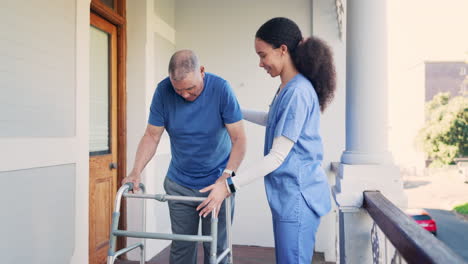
[230,172]
[231,188]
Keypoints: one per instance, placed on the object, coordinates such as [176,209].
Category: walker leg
[143,243]
[214,235]
[213,239]
[228,229]
[142,254]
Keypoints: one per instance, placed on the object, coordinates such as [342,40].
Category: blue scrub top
[295,114]
[200,143]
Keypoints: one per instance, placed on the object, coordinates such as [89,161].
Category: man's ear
[202,71]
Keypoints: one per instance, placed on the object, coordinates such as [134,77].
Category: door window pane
[109,3]
[99,92]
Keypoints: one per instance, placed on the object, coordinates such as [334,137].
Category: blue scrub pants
[295,240]
[185,220]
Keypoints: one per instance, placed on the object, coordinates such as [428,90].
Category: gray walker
[213,238]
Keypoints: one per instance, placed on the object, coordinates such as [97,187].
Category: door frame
[117,16]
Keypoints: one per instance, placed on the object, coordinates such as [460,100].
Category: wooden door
[103,135]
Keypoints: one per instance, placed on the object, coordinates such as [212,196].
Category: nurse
[296,185]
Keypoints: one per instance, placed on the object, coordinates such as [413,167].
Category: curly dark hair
[312,57]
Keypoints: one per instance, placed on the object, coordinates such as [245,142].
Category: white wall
[419,31]
[58,146]
[80,255]
[333,119]
[150,45]
[37,62]
[38,220]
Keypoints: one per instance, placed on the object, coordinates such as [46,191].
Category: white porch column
[366,163]
[366,83]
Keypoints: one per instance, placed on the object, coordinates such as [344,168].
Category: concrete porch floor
[242,255]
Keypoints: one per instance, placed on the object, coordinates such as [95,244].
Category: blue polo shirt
[200,143]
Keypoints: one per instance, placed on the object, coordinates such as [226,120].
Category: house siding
[38,215]
[37,73]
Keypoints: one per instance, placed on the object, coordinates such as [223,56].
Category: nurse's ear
[283,49]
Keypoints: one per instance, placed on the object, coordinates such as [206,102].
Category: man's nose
[185,95]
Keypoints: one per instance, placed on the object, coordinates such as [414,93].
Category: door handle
[113,165]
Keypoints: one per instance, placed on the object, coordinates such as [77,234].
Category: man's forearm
[146,149]
[237,153]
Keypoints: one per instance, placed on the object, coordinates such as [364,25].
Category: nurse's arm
[218,191]
[238,139]
[273,160]
[256,117]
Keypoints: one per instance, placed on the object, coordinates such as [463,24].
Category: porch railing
[412,243]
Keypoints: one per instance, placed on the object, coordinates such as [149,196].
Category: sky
[418,31]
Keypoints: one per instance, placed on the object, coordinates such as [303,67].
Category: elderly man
[203,119]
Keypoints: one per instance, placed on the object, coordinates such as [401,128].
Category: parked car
[423,219]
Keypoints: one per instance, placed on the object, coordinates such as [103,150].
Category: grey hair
[182,63]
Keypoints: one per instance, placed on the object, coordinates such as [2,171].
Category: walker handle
[130,186]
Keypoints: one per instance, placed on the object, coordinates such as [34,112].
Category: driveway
[438,194]
[452,231]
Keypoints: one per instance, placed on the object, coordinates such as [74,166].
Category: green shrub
[462,209]
[445,134]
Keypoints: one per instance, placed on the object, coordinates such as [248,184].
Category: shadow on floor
[242,255]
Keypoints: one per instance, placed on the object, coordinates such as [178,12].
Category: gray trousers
[185,220]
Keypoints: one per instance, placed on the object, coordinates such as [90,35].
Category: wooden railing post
[414,244]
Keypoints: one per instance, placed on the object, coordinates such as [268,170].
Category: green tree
[445,134]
